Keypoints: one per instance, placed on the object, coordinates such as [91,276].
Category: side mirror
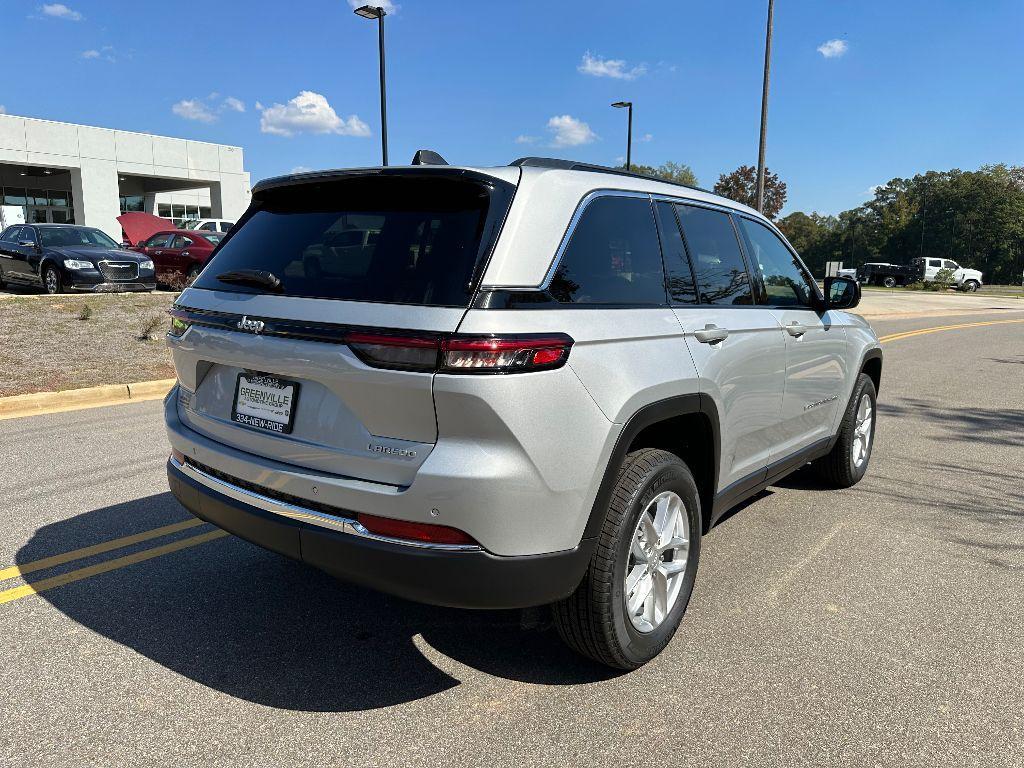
[841,293]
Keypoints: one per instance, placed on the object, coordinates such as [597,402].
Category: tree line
[975,218]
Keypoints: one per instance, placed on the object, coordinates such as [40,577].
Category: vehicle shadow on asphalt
[264,628]
[999,427]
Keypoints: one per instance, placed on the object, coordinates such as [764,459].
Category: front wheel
[52,281]
[641,575]
[847,462]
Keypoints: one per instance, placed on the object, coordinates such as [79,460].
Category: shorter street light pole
[378,13]
[629,129]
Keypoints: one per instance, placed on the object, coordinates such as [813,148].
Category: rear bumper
[448,576]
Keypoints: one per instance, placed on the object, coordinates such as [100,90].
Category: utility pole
[764,108]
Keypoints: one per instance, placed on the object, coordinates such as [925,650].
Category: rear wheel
[889,282]
[641,575]
[52,280]
[847,462]
[971,286]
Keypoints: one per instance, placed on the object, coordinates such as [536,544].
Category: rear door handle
[795,329]
[711,334]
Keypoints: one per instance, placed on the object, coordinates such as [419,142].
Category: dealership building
[63,173]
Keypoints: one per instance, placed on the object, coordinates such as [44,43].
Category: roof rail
[573,165]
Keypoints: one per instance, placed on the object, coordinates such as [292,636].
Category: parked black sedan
[66,257]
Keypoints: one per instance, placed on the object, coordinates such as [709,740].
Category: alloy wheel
[862,431]
[658,554]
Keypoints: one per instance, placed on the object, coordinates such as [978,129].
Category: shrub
[147,331]
[85,313]
[943,280]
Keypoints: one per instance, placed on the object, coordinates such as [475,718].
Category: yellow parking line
[15,571]
[16,593]
[922,331]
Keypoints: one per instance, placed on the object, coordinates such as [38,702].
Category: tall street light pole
[378,13]
[629,129]
[764,108]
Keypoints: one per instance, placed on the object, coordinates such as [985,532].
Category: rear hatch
[308,337]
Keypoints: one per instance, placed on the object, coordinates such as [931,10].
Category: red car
[179,254]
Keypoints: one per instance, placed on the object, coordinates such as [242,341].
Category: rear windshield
[394,239]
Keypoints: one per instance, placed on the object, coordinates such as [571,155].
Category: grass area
[51,343]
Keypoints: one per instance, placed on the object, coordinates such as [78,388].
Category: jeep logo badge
[253,326]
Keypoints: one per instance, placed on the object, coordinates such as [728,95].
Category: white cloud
[387,5]
[3,109]
[193,109]
[309,112]
[833,49]
[106,53]
[647,137]
[60,11]
[570,132]
[616,68]
[301,169]
[524,139]
[234,104]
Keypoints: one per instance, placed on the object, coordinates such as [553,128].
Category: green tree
[680,173]
[975,218]
[741,186]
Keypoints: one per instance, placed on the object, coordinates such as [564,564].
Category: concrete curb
[38,403]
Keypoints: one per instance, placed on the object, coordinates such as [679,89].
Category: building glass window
[204,212]
[163,210]
[14,196]
[37,197]
[59,198]
[133,204]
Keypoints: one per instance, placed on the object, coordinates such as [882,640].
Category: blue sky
[912,85]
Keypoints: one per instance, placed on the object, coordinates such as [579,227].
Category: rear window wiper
[257,277]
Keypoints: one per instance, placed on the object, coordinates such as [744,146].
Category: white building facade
[61,172]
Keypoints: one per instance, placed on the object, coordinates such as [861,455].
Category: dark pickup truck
[891,275]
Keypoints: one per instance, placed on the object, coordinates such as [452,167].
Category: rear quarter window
[392,239]
[613,256]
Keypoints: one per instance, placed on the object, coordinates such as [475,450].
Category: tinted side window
[784,281]
[613,256]
[11,234]
[180,241]
[677,264]
[715,253]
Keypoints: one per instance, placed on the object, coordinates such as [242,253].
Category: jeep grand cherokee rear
[308,416]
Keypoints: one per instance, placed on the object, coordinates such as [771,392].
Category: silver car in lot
[514,386]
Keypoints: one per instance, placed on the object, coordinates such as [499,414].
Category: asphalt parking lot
[881,625]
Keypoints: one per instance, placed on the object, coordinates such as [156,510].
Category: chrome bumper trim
[311,516]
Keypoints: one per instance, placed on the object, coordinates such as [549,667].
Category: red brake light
[461,354]
[504,354]
[403,529]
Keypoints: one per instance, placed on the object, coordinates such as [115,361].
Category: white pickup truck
[963,278]
[922,268]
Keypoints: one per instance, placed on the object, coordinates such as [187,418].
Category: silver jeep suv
[509,387]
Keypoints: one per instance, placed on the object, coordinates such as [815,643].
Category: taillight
[504,354]
[461,354]
[179,323]
[403,529]
[380,350]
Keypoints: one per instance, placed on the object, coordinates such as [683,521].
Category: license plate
[265,402]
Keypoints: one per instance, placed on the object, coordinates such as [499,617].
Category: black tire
[593,621]
[971,286]
[889,282]
[56,285]
[838,468]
